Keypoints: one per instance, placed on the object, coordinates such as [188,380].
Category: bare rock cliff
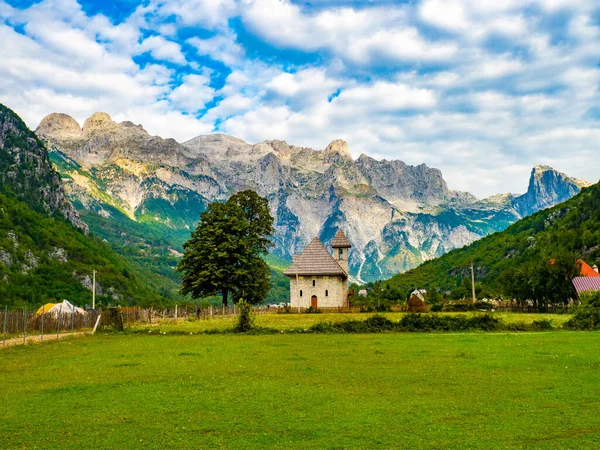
[26,172]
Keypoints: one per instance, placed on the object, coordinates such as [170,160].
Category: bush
[587,314]
[469,306]
[312,310]
[437,307]
[383,308]
[435,322]
[542,325]
[375,324]
[378,323]
[245,321]
[515,326]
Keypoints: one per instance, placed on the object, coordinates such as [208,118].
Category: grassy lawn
[417,390]
[288,321]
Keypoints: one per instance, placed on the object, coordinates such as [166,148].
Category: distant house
[587,271]
[317,278]
[585,284]
[362,293]
[589,279]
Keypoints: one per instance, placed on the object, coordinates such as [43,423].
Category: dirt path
[37,338]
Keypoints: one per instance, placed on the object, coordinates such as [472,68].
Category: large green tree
[224,254]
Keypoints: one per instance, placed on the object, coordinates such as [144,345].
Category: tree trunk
[225,297]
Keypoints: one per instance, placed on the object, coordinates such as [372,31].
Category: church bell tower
[341,249]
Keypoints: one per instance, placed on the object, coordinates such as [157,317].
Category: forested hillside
[45,254]
[563,233]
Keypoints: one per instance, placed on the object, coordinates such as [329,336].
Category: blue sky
[481,90]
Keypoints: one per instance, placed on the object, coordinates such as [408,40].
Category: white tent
[64,308]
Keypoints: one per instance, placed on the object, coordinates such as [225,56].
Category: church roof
[340,240]
[315,260]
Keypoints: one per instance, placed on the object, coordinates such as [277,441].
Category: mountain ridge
[395,215]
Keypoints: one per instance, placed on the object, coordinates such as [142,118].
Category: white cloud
[162,49]
[361,36]
[386,97]
[447,14]
[220,48]
[193,93]
[207,13]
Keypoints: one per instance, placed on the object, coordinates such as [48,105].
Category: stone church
[319,279]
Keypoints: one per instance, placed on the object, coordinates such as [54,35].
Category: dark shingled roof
[340,240]
[315,260]
[583,284]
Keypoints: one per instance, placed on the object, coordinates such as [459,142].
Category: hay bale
[416,303]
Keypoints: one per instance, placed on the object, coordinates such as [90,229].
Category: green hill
[45,251]
[569,230]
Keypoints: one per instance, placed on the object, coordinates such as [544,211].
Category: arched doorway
[313,302]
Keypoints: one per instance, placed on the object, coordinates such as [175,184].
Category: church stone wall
[336,287]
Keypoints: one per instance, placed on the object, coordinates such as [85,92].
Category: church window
[326,293]
[341,252]
[314,283]
[300,292]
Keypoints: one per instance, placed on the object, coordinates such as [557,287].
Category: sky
[482,90]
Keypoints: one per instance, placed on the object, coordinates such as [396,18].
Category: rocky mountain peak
[98,122]
[547,187]
[58,123]
[339,147]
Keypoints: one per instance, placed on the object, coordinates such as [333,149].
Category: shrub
[516,326]
[587,314]
[383,308]
[435,322]
[311,310]
[437,307]
[469,306]
[542,325]
[245,321]
[378,323]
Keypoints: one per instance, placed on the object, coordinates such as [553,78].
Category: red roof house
[586,270]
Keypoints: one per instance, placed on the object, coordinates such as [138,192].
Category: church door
[313,302]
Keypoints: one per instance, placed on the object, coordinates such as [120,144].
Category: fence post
[72,319]
[24,324]
[43,314]
[5,317]
[58,321]
[175,312]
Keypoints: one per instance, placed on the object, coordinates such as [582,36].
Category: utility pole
[473,281]
[94,292]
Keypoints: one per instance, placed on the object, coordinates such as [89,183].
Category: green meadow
[400,390]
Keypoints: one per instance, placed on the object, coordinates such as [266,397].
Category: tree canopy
[225,252]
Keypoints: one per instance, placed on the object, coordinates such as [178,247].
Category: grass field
[410,390]
[285,322]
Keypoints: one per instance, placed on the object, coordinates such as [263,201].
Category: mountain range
[395,215]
